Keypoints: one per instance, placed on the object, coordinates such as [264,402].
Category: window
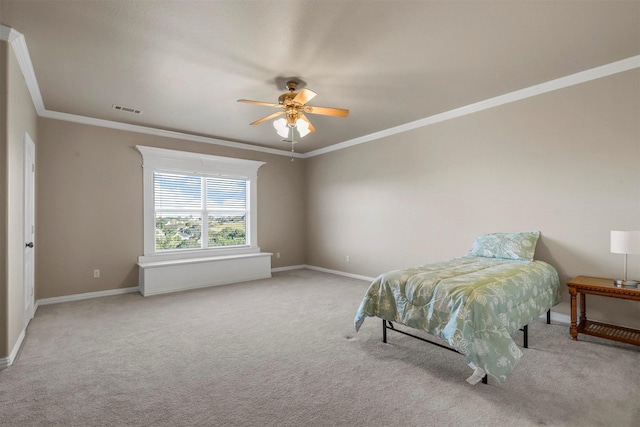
[185,205]
[198,205]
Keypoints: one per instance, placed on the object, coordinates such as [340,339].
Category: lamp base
[626,283]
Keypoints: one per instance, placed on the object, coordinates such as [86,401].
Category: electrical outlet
[348,258]
[278,255]
[96,273]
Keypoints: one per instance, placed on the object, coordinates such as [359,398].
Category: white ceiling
[186,63]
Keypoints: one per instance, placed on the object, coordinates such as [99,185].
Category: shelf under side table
[604,330]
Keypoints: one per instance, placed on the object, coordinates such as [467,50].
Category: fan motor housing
[287,98]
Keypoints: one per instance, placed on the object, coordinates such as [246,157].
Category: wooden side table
[584,285]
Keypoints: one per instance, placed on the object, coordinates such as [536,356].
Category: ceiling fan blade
[268,104]
[304,96]
[269,117]
[327,111]
[311,127]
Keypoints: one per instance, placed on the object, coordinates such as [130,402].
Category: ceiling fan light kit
[303,128]
[293,106]
[282,127]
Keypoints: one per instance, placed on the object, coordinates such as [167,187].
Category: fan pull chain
[292,141]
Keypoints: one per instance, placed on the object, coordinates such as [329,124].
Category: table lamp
[625,242]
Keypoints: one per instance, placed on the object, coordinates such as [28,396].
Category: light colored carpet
[283,352]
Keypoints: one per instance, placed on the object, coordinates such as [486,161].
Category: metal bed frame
[388,325]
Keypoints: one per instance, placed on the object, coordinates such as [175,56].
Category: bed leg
[384,331]
[485,379]
[526,336]
[549,317]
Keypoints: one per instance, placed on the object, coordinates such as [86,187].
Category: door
[29,227]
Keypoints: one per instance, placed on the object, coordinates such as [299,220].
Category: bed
[475,302]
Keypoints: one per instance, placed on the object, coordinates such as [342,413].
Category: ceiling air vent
[126,109]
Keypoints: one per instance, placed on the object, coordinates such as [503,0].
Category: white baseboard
[86,295]
[288,268]
[322,269]
[5,362]
[559,318]
[340,273]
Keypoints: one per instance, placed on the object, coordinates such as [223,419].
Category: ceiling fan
[293,106]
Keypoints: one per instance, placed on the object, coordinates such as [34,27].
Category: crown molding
[551,85]
[161,132]
[19,46]
[5,32]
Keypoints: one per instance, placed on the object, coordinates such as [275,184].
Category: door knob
[29,245]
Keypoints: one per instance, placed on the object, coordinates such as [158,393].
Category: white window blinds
[184,205]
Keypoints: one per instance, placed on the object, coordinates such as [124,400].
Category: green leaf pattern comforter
[474,303]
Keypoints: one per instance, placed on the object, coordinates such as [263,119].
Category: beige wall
[565,163]
[89,207]
[20,118]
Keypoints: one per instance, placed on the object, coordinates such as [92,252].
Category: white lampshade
[625,242]
[281,127]
[303,127]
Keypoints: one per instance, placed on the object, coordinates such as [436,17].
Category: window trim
[188,163]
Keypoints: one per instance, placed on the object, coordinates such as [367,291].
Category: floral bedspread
[474,303]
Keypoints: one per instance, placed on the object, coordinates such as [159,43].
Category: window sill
[165,262]
[197,254]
